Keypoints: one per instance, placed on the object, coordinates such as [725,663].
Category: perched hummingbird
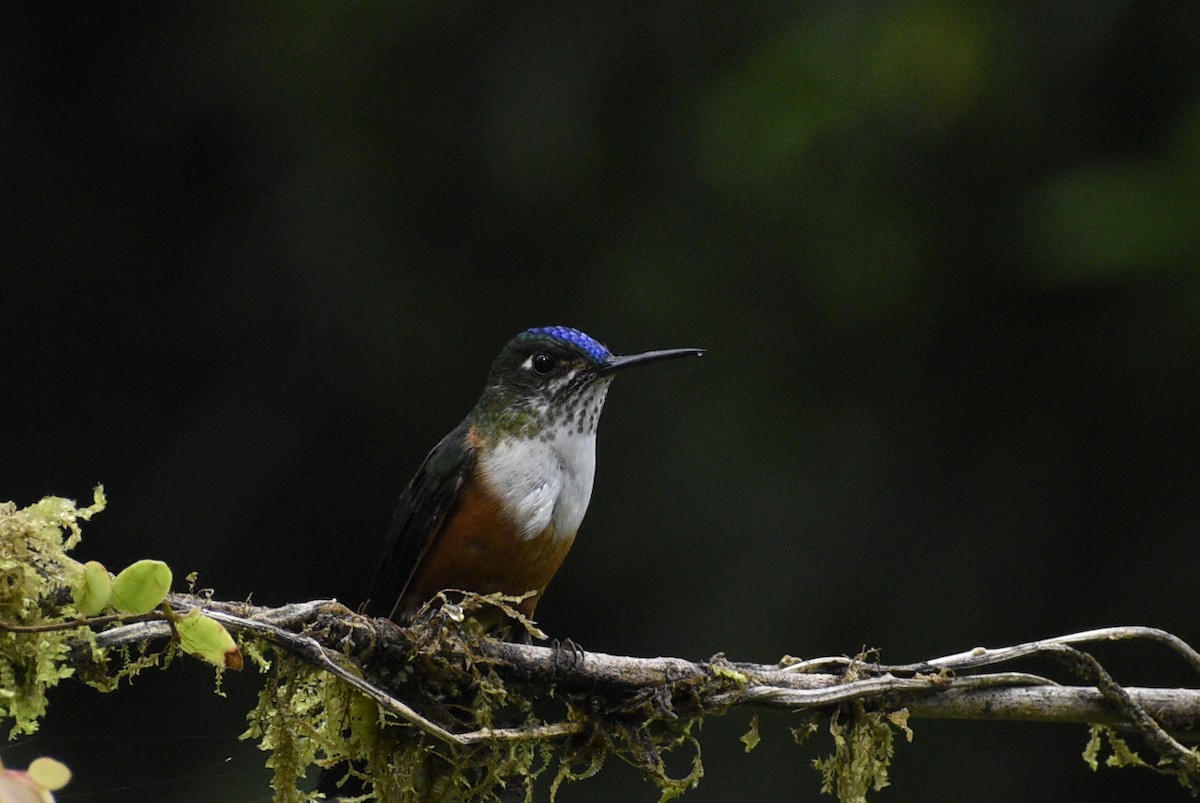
[497,503]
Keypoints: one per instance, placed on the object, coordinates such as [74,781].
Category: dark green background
[942,256]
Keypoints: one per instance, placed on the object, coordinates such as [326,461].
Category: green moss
[863,743]
[751,737]
[37,584]
[35,577]
[306,716]
[1122,755]
[283,723]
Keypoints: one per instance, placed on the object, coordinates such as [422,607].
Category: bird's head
[555,376]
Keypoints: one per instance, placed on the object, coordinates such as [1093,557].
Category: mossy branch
[329,637]
[438,710]
[947,687]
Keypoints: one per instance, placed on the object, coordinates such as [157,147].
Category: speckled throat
[568,405]
[544,472]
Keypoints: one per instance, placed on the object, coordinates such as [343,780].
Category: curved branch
[928,689]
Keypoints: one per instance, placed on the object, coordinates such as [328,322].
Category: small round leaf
[93,589]
[207,639]
[141,586]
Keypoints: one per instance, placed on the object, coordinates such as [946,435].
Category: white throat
[544,480]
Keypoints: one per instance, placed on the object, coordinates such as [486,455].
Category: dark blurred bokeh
[942,255]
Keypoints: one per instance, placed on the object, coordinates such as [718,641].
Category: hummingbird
[496,504]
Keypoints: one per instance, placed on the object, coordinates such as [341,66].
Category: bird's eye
[543,363]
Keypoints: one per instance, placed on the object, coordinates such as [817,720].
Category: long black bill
[618,363]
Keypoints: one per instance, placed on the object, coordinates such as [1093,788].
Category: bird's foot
[567,655]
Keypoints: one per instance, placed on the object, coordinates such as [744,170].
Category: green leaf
[141,586]
[207,639]
[93,589]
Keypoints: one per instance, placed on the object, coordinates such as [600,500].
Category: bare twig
[979,656]
[1171,751]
